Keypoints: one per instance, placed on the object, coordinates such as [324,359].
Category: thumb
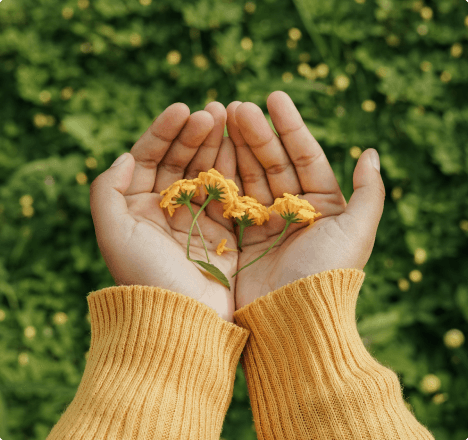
[108,205]
[367,202]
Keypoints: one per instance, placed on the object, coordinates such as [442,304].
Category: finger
[149,150]
[312,166]
[226,165]
[251,172]
[173,165]
[108,205]
[267,148]
[206,155]
[365,207]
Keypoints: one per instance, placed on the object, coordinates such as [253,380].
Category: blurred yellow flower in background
[368,105]
[81,178]
[355,152]
[415,276]
[250,7]
[246,43]
[23,358]
[454,338]
[91,162]
[403,284]
[67,13]
[60,318]
[426,13]
[26,200]
[30,332]
[420,256]
[66,93]
[173,57]
[200,61]
[45,96]
[440,398]
[430,383]
[295,34]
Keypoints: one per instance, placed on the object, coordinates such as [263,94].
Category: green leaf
[213,270]
[461,298]
[3,417]
[417,239]
[81,127]
[408,208]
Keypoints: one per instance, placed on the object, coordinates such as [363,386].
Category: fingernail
[119,160]
[374,157]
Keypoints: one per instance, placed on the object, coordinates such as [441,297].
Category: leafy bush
[81,81]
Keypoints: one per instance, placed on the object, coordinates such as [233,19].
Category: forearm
[161,366]
[308,372]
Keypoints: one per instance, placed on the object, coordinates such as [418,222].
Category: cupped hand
[293,162]
[140,242]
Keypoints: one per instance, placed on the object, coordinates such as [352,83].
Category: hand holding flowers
[143,244]
[245,209]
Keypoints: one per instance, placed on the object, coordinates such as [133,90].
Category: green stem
[288,222]
[208,200]
[199,231]
[241,234]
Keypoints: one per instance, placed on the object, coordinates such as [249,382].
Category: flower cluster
[246,210]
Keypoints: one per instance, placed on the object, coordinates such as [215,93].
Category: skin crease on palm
[264,165]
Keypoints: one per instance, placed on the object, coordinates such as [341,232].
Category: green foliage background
[85,80]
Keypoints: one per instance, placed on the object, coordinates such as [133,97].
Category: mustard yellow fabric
[162,366]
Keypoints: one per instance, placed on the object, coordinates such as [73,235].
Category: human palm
[140,242]
[342,237]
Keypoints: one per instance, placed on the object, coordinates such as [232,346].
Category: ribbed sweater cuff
[161,365]
[308,373]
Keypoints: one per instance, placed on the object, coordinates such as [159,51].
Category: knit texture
[161,365]
[308,373]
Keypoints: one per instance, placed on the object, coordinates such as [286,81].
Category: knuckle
[306,160]
[381,190]
[251,177]
[278,168]
[173,168]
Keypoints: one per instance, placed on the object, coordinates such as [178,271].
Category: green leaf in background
[213,270]
[82,128]
[408,207]
[380,327]
[416,239]
[3,418]
[461,298]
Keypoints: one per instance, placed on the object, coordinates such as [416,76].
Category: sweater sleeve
[161,365]
[308,373]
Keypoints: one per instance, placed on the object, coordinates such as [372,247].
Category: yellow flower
[302,208]
[235,207]
[221,247]
[215,179]
[172,193]
[255,211]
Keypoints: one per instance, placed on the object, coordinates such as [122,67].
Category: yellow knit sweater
[162,366]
